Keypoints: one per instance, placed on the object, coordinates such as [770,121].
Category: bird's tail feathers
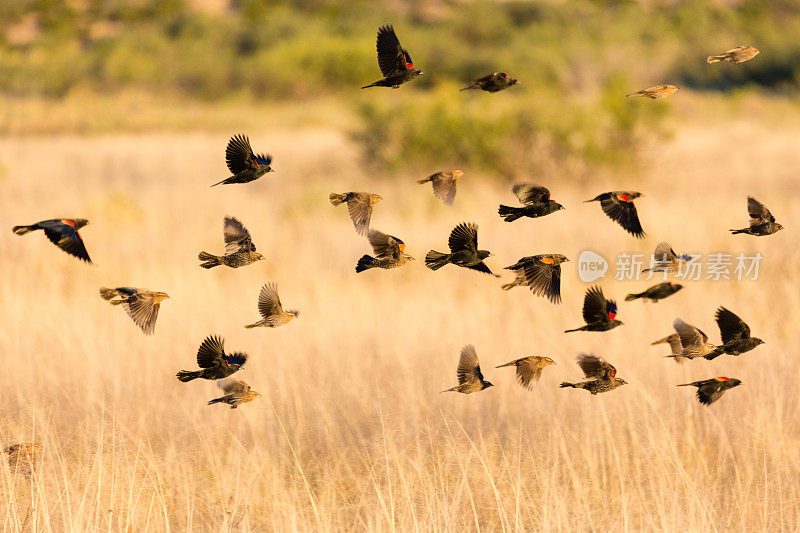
[215,400]
[510,214]
[425,180]
[661,341]
[633,296]
[253,325]
[22,230]
[568,384]
[365,263]
[733,231]
[436,260]
[571,330]
[188,375]
[220,182]
[337,199]
[473,86]
[210,260]
[714,59]
[509,286]
[451,389]
[107,294]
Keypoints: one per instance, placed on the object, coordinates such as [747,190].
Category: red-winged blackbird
[541,273]
[243,163]
[666,260]
[22,457]
[444,184]
[492,83]
[271,310]
[761,220]
[239,248]
[63,232]
[394,61]
[236,392]
[529,369]
[694,343]
[619,207]
[359,205]
[214,363]
[656,292]
[389,252]
[536,199]
[464,251]
[711,390]
[599,313]
[737,55]
[470,378]
[604,374]
[735,334]
[140,304]
[656,92]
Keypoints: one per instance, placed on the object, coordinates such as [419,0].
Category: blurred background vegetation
[575,62]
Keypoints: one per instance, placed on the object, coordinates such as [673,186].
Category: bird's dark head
[294,312]
[257,256]
[487,384]
[777,227]
[483,254]
[558,259]
[676,286]
[555,206]
[81,222]
[512,81]
[617,322]
[160,296]
[547,361]
[621,381]
[408,257]
[733,382]
[758,341]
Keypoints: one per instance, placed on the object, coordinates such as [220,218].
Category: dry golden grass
[352,433]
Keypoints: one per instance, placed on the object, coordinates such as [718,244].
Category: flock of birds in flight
[540,273]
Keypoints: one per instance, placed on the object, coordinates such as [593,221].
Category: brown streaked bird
[619,207]
[359,205]
[529,369]
[470,378]
[497,81]
[541,273]
[271,310]
[536,203]
[239,248]
[666,260]
[22,457]
[737,55]
[598,313]
[761,220]
[603,373]
[245,165]
[236,392]
[214,363]
[656,92]
[711,390]
[444,184]
[63,232]
[464,250]
[735,334]
[389,252]
[394,61]
[656,292]
[140,304]
[694,343]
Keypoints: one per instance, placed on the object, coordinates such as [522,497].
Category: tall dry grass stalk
[352,433]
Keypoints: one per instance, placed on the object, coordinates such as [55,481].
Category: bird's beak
[271,169]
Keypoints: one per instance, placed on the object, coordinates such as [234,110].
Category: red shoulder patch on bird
[623,197]
[409,63]
[547,260]
[614,373]
[68,222]
[505,75]
[722,378]
[611,316]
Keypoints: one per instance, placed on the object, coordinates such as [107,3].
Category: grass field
[351,432]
